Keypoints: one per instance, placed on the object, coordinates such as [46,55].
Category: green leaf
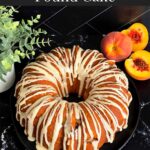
[17,52]
[48,41]
[38,16]
[15,25]
[33,53]
[27,55]
[32,41]
[13,9]
[44,32]
[37,42]
[17,58]
[21,44]
[35,21]
[22,55]
[25,26]
[30,22]
[35,32]
[27,45]
[6,64]
[39,30]
[43,43]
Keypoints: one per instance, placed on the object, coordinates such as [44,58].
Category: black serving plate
[121,138]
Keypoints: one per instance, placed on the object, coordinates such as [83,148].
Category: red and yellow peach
[116,46]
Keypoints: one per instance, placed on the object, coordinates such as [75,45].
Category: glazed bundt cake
[55,121]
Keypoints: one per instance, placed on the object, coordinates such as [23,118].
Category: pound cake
[47,112]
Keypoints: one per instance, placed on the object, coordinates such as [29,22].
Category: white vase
[9,80]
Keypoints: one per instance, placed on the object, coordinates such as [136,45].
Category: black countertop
[84,26]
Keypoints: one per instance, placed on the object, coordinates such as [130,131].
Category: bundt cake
[51,118]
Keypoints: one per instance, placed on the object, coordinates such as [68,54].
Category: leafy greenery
[18,40]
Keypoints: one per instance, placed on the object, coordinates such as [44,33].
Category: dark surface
[84,26]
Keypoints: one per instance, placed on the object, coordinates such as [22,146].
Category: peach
[116,46]
[139,36]
[138,65]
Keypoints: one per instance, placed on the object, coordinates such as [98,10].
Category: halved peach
[139,36]
[138,65]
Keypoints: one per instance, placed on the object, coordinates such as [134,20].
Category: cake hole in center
[73,97]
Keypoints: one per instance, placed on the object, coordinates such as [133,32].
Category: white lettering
[64,1]
[100,1]
[57,1]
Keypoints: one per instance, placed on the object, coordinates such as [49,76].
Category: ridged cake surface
[56,123]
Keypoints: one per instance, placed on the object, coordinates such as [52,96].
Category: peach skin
[116,46]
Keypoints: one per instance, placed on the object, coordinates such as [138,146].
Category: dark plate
[121,138]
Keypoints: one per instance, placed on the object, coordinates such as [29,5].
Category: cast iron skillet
[121,138]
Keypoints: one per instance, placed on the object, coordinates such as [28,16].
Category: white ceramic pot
[9,80]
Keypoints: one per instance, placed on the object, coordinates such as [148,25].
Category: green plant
[18,39]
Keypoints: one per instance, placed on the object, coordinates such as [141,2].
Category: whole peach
[116,46]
